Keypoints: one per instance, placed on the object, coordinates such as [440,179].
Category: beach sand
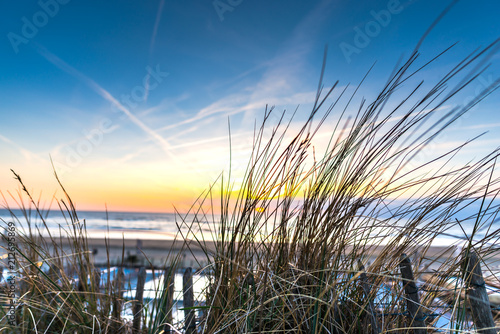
[159,248]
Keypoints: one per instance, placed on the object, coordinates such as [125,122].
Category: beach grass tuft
[308,241]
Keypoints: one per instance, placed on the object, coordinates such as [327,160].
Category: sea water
[169,223]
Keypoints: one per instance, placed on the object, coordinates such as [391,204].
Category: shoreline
[160,247]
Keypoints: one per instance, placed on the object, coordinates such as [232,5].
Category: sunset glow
[141,106]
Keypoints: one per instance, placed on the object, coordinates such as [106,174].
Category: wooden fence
[474,282]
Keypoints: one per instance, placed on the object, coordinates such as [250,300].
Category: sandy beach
[158,249]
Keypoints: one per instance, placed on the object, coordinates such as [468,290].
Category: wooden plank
[96,279]
[118,295]
[477,296]
[168,284]
[117,303]
[369,304]
[189,314]
[138,304]
[412,301]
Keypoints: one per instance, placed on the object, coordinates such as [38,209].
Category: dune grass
[309,242]
[58,288]
[291,245]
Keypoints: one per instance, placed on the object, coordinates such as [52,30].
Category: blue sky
[181,69]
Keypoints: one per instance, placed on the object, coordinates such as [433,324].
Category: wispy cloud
[155,29]
[212,140]
[164,144]
[170,104]
[27,154]
[481,126]
[282,77]
[239,103]
[152,44]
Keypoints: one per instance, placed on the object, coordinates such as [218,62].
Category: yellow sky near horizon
[163,186]
[137,117]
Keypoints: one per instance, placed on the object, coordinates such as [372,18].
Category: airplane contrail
[152,44]
[164,144]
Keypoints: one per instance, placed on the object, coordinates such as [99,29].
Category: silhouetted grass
[290,245]
[292,242]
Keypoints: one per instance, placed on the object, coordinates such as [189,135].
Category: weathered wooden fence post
[168,285]
[118,300]
[366,289]
[117,285]
[189,313]
[412,300]
[137,310]
[53,272]
[96,279]
[478,298]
